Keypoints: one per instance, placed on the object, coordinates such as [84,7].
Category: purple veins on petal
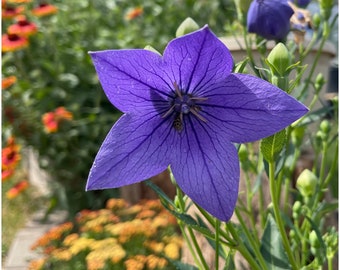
[185,110]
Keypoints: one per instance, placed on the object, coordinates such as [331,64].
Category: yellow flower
[135,263]
[70,239]
[153,262]
[116,204]
[62,254]
[36,264]
[107,249]
[172,251]
[156,247]
[80,244]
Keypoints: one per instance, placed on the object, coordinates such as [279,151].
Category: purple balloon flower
[184,109]
[269,18]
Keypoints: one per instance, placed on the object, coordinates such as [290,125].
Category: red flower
[8,82]
[10,156]
[6,174]
[51,120]
[13,42]
[17,189]
[134,13]
[11,12]
[44,10]
[23,27]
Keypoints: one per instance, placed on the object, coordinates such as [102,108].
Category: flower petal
[197,59]
[206,168]
[245,108]
[127,76]
[135,149]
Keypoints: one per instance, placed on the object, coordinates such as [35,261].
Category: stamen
[194,112]
[199,98]
[178,92]
[168,111]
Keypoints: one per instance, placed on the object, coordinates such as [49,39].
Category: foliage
[121,236]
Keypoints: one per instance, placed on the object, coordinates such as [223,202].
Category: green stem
[318,54]
[217,242]
[242,248]
[255,243]
[279,221]
[196,248]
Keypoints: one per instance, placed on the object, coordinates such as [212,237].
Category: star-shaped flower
[184,109]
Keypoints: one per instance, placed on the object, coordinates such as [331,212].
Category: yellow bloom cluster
[120,236]
[139,262]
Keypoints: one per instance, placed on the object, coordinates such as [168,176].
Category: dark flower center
[184,104]
[13,37]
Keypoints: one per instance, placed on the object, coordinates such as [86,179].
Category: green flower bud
[306,183]
[325,126]
[320,137]
[314,240]
[243,153]
[297,207]
[279,59]
[316,20]
[326,7]
[186,27]
[297,135]
[319,82]
[151,49]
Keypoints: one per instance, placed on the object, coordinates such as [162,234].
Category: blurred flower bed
[52,101]
[142,236]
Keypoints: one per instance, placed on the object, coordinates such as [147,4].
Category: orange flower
[63,114]
[133,13]
[8,81]
[11,12]
[23,27]
[19,1]
[10,157]
[44,10]
[6,174]
[17,189]
[51,120]
[13,42]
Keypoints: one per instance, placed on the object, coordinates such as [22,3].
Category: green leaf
[272,146]
[182,266]
[229,262]
[272,247]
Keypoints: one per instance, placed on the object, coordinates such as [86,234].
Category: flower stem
[242,248]
[195,249]
[255,244]
[217,242]
[279,221]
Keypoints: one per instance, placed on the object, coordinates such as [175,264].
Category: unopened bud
[186,27]
[279,59]
[313,239]
[297,207]
[306,183]
[325,126]
[319,82]
[316,20]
